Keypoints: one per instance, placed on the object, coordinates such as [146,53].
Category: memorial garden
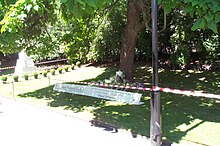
[112,62]
[184,117]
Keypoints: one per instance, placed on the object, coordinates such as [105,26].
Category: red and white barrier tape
[190,93]
[167,90]
[4,68]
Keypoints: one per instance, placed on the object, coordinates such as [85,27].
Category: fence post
[13,89]
[49,80]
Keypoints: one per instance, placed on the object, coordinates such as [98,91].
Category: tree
[25,22]
[206,14]
[110,24]
[27,19]
[135,10]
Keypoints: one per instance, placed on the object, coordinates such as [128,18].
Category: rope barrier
[154,88]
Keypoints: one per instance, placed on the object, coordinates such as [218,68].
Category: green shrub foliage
[45,73]
[53,71]
[60,70]
[4,79]
[15,78]
[26,76]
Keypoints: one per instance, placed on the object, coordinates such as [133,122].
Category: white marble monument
[24,64]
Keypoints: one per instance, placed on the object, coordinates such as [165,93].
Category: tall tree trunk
[129,38]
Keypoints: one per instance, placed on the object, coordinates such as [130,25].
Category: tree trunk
[129,38]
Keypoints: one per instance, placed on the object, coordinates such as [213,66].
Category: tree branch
[164,22]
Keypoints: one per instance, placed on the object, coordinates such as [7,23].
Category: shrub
[15,77]
[44,73]
[66,68]
[72,66]
[60,69]
[25,76]
[52,71]
[78,64]
[35,74]
[4,79]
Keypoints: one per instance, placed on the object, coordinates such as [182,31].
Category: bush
[66,68]
[44,73]
[25,76]
[4,79]
[15,77]
[60,69]
[78,64]
[72,66]
[52,71]
[35,74]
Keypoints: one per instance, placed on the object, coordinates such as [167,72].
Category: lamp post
[155,123]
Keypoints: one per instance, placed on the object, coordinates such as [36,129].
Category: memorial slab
[97,92]
[24,64]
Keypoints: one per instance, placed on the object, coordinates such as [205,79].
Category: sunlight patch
[200,134]
[202,78]
[190,126]
[114,103]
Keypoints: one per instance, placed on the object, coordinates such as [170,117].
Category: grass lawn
[185,119]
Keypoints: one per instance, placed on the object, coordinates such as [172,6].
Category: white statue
[24,64]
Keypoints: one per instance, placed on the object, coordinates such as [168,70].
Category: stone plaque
[109,94]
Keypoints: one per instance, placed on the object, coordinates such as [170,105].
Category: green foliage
[35,74]
[212,48]
[91,30]
[26,76]
[66,68]
[78,63]
[60,70]
[49,45]
[81,8]
[180,39]
[24,24]
[4,79]
[179,58]
[77,39]
[25,14]
[45,73]
[143,46]
[107,38]
[72,66]
[185,42]
[206,13]
[53,71]
[15,78]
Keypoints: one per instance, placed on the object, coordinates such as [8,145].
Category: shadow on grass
[176,109]
[72,102]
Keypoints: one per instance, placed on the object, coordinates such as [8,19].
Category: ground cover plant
[183,118]
[45,73]
[35,74]
[4,79]
[15,77]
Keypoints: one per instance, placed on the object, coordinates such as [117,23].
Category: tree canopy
[110,30]
[206,13]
